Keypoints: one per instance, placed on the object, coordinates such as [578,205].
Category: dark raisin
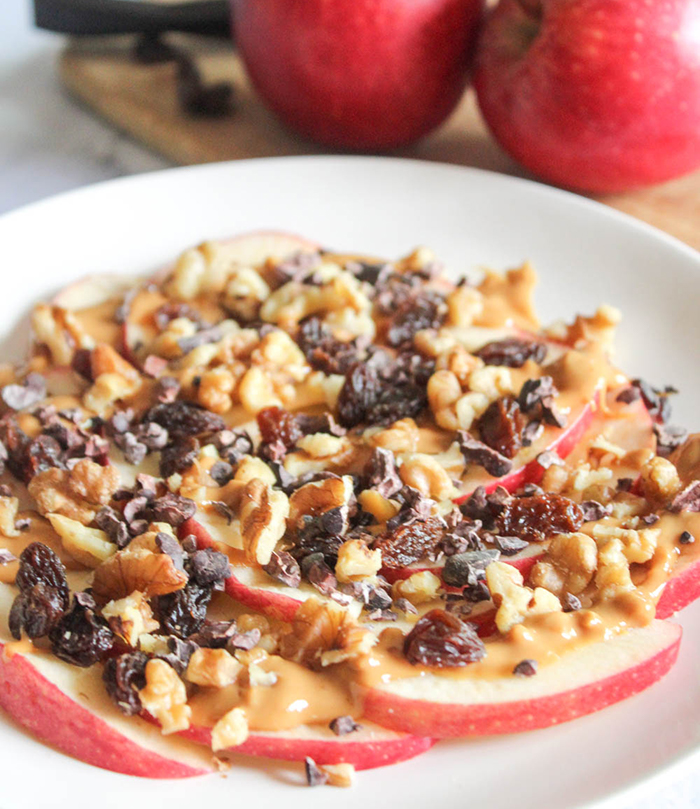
[182,613]
[81,637]
[124,677]
[501,426]
[358,394]
[278,424]
[410,542]
[184,419]
[536,518]
[397,402]
[441,640]
[512,352]
[323,352]
[36,611]
[424,311]
[38,563]
[43,453]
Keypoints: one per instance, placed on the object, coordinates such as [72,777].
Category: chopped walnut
[568,565]
[514,601]
[245,292]
[599,328]
[460,362]
[402,436]
[8,515]
[464,304]
[613,576]
[165,697]
[378,506]
[339,775]
[108,389]
[215,389]
[131,618]
[659,480]
[250,467]
[418,588]
[230,731]
[77,493]
[356,561]
[444,391]
[214,668]
[153,574]
[638,545]
[320,497]
[256,391]
[59,331]
[262,515]
[89,546]
[493,381]
[105,360]
[323,634]
[322,445]
[424,473]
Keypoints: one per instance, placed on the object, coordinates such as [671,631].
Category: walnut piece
[8,514]
[89,546]
[568,564]
[165,697]
[153,574]
[424,473]
[213,668]
[77,493]
[230,731]
[514,601]
[130,618]
[262,518]
[402,436]
[320,497]
[356,561]
[419,588]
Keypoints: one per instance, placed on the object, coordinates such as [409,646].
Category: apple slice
[93,290]
[581,682]
[67,707]
[367,748]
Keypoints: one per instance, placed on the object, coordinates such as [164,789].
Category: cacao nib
[509,546]
[109,520]
[315,777]
[686,538]
[628,395]
[153,366]
[687,500]
[439,639]
[178,457]
[531,432]
[570,603]
[380,473]
[319,573]
[410,542]
[536,518]
[526,668]
[81,637]
[549,458]
[233,445]
[6,557]
[593,510]
[200,338]
[22,395]
[467,568]
[536,399]
[501,425]
[171,508]
[209,567]
[668,438]
[214,635]
[477,452]
[171,547]
[244,641]
[221,473]
[172,311]
[322,423]
[124,676]
[283,567]
[655,400]
[342,725]
[166,390]
[512,352]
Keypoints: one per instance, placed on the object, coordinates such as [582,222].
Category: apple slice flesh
[367,748]
[68,708]
[581,682]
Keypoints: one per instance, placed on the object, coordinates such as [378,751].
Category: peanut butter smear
[231,406]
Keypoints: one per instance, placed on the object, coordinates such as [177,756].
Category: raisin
[501,426]
[182,613]
[43,453]
[536,518]
[36,611]
[81,637]
[184,419]
[278,424]
[398,402]
[321,349]
[38,563]
[410,542]
[512,352]
[420,312]
[441,640]
[124,677]
[358,394]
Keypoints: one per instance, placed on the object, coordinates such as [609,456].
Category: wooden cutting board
[141,101]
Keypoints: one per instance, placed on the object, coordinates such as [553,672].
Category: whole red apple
[358,74]
[597,95]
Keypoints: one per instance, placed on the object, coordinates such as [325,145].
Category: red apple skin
[358,74]
[595,95]
[680,590]
[34,702]
[446,720]
[363,755]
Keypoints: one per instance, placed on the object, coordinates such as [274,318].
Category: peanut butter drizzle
[508,299]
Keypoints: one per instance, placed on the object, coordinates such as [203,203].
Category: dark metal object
[97,17]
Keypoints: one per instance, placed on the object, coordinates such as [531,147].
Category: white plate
[585,253]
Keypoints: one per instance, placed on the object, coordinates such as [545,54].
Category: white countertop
[49,144]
